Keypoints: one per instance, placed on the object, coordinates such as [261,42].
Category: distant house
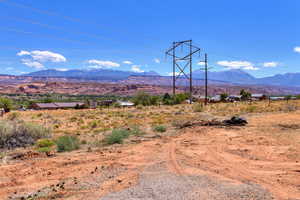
[277,98]
[106,102]
[215,99]
[57,105]
[233,98]
[200,98]
[125,103]
[257,97]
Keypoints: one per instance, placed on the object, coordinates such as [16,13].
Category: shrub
[15,134]
[93,124]
[198,107]
[44,145]
[136,131]
[6,104]
[142,98]
[117,136]
[160,128]
[67,143]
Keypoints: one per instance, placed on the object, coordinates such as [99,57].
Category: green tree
[47,100]
[167,99]
[223,96]
[142,98]
[6,104]
[154,100]
[245,95]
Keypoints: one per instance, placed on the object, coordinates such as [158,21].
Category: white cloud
[102,64]
[136,68]
[201,63]
[43,56]
[237,65]
[156,60]
[297,49]
[270,64]
[127,62]
[33,64]
[36,58]
[23,53]
[62,69]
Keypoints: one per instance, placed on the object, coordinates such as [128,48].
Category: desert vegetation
[113,125]
[102,135]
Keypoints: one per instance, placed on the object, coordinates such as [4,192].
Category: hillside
[93,74]
[218,77]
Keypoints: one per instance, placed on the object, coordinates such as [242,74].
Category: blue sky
[261,37]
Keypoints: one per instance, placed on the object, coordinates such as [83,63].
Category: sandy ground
[259,161]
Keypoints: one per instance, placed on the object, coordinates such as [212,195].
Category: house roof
[68,104]
[235,96]
[275,98]
[46,105]
[59,105]
[257,95]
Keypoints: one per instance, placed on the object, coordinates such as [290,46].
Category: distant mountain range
[229,76]
[242,77]
[94,74]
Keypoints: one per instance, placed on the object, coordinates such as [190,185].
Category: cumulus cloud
[156,60]
[103,64]
[237,65]
[270,64]
[23,53]
[201,63]
[127,62]
[32,63]
[136,68]
[36,58]
[297,49]
[43,56]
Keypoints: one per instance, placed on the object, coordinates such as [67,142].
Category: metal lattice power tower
[183,62]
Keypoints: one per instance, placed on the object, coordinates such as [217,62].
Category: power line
[51,13]
[54,27]
[42,35]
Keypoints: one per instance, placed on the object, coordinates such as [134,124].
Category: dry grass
[98,121]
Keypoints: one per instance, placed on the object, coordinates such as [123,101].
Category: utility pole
[206,100]
[191,74]
[174,72]
[186,59]
[206,77]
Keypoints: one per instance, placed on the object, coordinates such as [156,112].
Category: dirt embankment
[258,161]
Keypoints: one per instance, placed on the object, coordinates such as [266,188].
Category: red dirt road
[265,152]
